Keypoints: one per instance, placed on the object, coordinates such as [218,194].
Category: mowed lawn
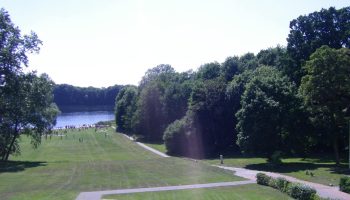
[323,169]
[62,167]
[243,192]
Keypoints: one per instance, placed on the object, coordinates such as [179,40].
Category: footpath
[322,190]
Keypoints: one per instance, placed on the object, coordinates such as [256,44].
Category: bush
[344,184]
[175,137]
[263,179]
[282,184]
[273,183]
[301,192]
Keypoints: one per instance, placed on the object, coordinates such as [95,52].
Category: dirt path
[98,194]
[322,190]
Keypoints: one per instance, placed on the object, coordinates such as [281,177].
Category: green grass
[158,146]
[61,168]
[245,192]
[324,169]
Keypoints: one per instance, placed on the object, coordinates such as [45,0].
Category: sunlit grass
[323,170]
[244,192]
[62,167]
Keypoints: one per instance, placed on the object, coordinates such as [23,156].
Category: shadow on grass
[296,166]
[16,166]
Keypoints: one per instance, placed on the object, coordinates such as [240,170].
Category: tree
[125,108]
[26,101]
[307,33]
[268,103]
[27,108]
[326,91]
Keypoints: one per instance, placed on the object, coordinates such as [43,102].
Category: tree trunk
[336,149]
[10,147]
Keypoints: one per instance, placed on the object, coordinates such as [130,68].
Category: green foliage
[163,98]
[301,192]
[268,104]
[307,33]
[296,190]
[176,137]
[125,108]
[26,101]
[262,179]
[344,184]
[282,184]
[67,95]
[326,92]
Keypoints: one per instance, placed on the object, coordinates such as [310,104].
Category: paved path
[98,194]
[322,190]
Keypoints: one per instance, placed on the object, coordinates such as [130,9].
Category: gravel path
[322,190]
[98,194]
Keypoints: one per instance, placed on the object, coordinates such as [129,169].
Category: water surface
[81,118]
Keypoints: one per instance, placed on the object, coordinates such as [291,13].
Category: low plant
[344,184]
[282,184]
[301,192]
[263,179]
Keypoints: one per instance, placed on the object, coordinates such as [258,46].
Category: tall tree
[26,101]
[326,91]
[268,103]
[307,33]
[125,108]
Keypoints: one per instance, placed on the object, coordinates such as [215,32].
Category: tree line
[68,95]
[292,99]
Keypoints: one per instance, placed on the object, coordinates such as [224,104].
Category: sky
[101,43]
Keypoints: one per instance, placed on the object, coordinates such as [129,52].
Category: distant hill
[69,96]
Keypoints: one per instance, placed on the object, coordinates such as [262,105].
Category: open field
[62,167]
[245,192]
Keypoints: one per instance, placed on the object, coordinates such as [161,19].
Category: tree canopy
[26,100]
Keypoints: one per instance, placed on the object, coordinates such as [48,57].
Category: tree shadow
[16,166]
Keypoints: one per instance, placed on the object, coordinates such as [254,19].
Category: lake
[85,117]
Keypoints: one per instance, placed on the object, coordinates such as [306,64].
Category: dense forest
[293,99]
[71,96]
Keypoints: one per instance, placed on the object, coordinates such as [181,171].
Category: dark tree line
[68,95]
[292,99]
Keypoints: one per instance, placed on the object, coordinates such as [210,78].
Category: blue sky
[105,42]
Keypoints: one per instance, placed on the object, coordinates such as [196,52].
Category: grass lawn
[62,167]
[324,170]
[244,192]
[158,146]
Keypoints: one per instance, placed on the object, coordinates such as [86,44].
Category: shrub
[301,192]
[263,179]
[344,184]
[282,184]
[273,183]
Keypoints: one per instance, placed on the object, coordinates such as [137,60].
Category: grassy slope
[61,168]
[245,192]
